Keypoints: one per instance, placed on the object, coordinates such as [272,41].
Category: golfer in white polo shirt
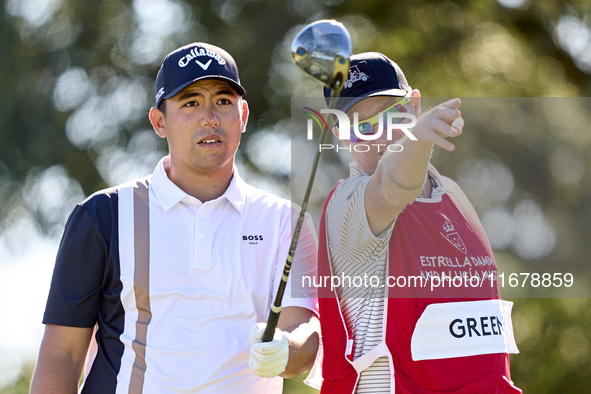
[159,281]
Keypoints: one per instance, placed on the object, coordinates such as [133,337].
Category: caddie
[397,219]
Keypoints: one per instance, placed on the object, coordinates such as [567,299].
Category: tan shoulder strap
[141,280]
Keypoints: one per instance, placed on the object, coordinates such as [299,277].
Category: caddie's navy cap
[370,74]
[192,63]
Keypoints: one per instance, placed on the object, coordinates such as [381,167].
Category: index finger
[453,103]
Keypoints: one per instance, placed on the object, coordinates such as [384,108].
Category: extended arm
[61,359]
[399,177]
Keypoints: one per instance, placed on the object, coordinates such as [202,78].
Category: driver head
[322,49]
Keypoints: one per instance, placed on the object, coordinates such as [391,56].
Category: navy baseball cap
[192,63]
[370,74]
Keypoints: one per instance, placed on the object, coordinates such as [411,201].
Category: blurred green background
[77,82]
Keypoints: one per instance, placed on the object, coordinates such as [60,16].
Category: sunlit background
[77,82]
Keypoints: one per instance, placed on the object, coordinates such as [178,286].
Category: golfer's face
[204,123]
[367,154]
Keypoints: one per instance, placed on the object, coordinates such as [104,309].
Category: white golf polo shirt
[189,281]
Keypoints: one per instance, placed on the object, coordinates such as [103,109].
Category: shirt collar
[355,170]
[169,194]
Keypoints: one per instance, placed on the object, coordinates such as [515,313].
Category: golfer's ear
[157,119]
[244,116]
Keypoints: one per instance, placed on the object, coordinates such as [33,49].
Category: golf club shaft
[276,306]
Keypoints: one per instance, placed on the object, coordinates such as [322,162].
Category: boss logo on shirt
[252,238]
[481,326]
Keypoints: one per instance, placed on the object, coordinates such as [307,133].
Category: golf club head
[322,49]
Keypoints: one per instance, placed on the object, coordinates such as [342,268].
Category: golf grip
[276,305]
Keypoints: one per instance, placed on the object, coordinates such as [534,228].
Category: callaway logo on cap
[192,63]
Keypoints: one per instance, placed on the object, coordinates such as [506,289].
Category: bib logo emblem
[453,236]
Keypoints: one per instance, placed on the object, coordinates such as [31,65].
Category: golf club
[322,49]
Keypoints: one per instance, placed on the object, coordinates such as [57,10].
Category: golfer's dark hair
[162,107]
